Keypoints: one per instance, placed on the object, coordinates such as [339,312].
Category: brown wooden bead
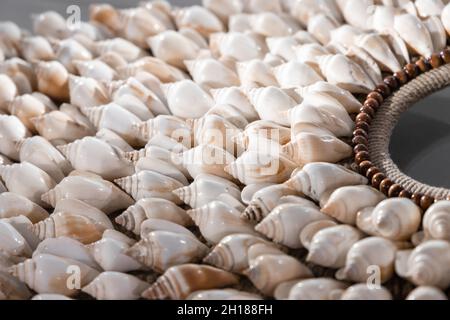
[392,82]
[435,60]
[445,55]
[360,147]
[384,90]
[371,172]
[401,77]
[371,103]
[363,117]
[423,65]
[360,140]
[426,202]
[376,179]
[385,185]
[416,198]
[395,190]
[362,125]
[366,109]
[360,132]
[377,96]
[361,156]
[364,166]
[411,70]
[405,194]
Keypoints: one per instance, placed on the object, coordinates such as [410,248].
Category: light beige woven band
[387,117]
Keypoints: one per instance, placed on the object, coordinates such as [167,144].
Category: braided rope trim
[378,117]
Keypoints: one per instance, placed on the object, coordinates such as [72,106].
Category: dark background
[421,141]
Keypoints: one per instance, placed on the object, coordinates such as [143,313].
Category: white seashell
[316,289]
[236,97]
[230,253]
[364,292]
[398,46]
[309,53]
[132,218]
[230,113]
[426,293]
[122,47]
[12,205]
[264,201]
[344,97]
[217,220]
[61,126]
[307,234]
[161,250]
[375,45]
[26,107]
[253,167]
[113,139]
[296,74]
[436,221]
[12,288]
[96,69]
[261,249]
[183,94]
[178,282]
[426,8]
[305,9]
[239,22]
[96,156]
[8,91]
[316,179]
[152,83]
[320,26]
[344,73]
[345,34]
[62,224]
[270,24]
[24,226]
[426,265]
[268,271]
[284,223]
[65,247]
[368,256]
[163,71]
[36,48]
[206,188]
[162,167]
[282,47]
[315,147]
[21,72]
[110,255]
[147,184]
[116,286]
[41,153]
[356,13]
[87,92]
[105,15]
[224,9]
[69,50]
[47,273]
[173,48]
[194,36]
[168,143]
[329,246]
[50,24]
[211,73]
[235,45]
[445,18]
[199,19]
[50,296]
[204,159]
[255,73]
[382,18]
[53,80]
[113,60]
[12,131]
[153,225]
[415,33]
[38,181]
[10,31]
[345,202]
[271,103]
[222,294]
[90,189]
[12,242]
[395,219]
[437,32]
[170,126]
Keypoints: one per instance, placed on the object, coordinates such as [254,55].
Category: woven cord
[387,117]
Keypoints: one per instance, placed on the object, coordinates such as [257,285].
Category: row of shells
[204,153]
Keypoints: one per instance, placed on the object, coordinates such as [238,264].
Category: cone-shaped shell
[377,47]
[235,45]
[12,205]
[284,224]
[316,289]
[255,73]
[160,250]
[223,294]
[87,92]
[415,33]
[148,184]
[199,19]
[26,107]
[96,69]
[180,281]
[132,218]
[212,74]
[12,288]
[364,292]
[296,74]
[12,242]
[53,80]
[217,220]
[161,166]
[345,202]
[12,131]
[436,221]
[426,293]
